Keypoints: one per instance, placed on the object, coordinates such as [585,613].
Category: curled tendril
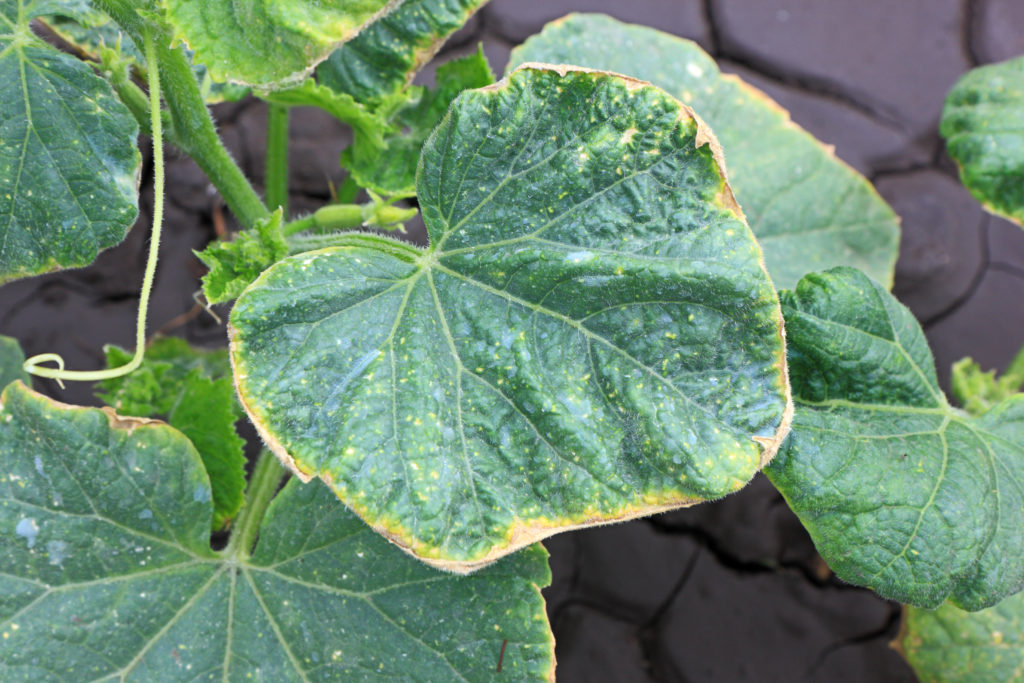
[33,364]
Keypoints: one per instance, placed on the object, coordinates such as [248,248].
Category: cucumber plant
[592,334]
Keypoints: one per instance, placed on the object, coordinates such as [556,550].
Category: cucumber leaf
[193,391]
[983,123]
[269,42]
[68,161]
[949,645]
[809,210]
[591,335]
[12,358]
[385,56]
[107,573]
[900,492]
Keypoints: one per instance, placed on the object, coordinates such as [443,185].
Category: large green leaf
[900,492]
[269,42]
[383,59]
[809,210]
[949,645]
[983,123]
[11,360]
[193,391]
[107,574]
[68,161]
[590,336]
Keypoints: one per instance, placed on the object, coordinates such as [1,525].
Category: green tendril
[32,365]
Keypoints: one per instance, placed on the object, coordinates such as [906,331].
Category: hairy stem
[193,128]
[277,157]
[266,476]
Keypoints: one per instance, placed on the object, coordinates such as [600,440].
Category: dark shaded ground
[729,591]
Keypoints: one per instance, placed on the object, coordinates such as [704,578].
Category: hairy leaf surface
[193,391]
[107,574]
[809,210]
[11,360]
[269,42]
[949,645]
[590,336]
[900,492]
[383,59]
[68,160]
[983,123]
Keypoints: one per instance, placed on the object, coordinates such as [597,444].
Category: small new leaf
[107,574]
[977,390]
[901,492]
[236,263]
[193,391]
[983,123]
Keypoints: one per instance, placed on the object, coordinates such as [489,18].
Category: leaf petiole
[33,364]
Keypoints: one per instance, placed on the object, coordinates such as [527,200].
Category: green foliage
[983,123]
[107,572]
[11,360]
[978,391]
[268,42]
[591,335]
[949,645]
[391,169]
[382,60]
[809,210]
[235,264]
[900,492]
[68,161]
[193,391]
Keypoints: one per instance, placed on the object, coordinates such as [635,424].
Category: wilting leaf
[590,336]
[386,55]
[900,492]
[68,160]
[809,210]
[949,645]
[193,391]
[269,42]
[983,123]
[107,573]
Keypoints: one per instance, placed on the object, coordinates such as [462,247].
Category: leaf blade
[981,123]
[878,466]
[68,161]
[501,438]
[809,210]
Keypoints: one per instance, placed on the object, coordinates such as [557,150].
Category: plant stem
[266,476]
[400,250]
[277,157]
[193,127]
[156,126]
